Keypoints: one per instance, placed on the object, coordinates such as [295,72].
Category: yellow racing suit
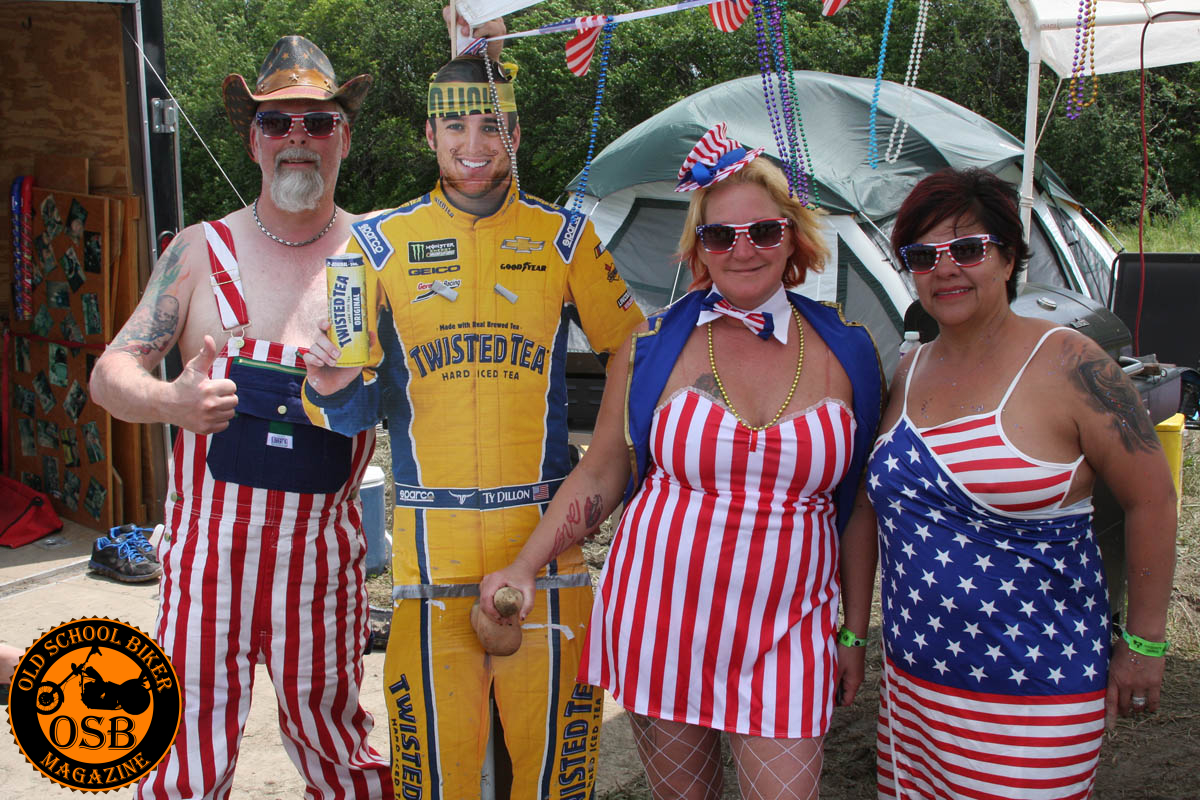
[468,367]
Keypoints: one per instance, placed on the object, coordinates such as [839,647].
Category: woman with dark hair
[736,424]
[999,674]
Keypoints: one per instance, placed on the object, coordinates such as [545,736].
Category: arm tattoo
[1108,391]
[567,533]
[593,511]
[153,324]
[562,540]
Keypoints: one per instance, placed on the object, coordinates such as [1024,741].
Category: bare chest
[944,397]
[284,303]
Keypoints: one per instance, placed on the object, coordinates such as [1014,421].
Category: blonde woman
[748,412]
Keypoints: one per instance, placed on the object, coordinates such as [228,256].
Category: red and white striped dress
[989,467]
[718,602]
[263,576]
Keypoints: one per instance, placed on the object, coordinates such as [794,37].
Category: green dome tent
[631,200]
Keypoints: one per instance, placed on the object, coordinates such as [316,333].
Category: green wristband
[849,638]
[1139,645]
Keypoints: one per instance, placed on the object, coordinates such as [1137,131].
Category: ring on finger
[1137,701]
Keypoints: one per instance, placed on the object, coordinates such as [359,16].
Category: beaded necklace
[576,204]
[282,241]
[505,138]
[712,363]
[787,124]
[1085,48]
[910,81]
[872,139]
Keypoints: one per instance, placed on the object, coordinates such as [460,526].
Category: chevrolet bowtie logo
[522,244]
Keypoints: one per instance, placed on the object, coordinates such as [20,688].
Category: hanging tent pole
[1031,120]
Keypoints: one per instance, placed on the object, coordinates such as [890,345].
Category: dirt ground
[1152,758]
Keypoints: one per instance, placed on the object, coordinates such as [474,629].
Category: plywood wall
[63,94]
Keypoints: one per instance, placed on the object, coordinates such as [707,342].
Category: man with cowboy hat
[466,289]
[263,556]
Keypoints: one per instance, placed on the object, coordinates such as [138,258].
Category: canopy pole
[453,25]
[1031,119]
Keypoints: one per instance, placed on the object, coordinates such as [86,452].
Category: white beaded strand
[910,81]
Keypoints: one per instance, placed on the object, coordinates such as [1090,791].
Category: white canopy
[477,11]
[1048,32]
[1118,33]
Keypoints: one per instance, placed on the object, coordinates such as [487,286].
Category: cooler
[379,544]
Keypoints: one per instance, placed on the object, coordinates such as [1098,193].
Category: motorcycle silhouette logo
[96,693]
[94,704]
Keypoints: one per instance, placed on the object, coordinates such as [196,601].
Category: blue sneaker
[121,561]
[136,537]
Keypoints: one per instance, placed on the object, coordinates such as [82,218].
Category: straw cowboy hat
[295,69]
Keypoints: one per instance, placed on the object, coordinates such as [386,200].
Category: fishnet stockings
[684,762]
[777,769]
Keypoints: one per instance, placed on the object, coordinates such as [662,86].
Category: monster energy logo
[433,250]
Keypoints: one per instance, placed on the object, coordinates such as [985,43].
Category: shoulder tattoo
[1108,390]
[154,322]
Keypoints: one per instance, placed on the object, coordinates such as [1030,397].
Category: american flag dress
[995,617]
[717,605]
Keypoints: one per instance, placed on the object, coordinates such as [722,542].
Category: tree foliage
[973,56]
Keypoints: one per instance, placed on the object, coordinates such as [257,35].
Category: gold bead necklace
[712,362]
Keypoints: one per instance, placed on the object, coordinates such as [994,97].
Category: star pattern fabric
[996,635]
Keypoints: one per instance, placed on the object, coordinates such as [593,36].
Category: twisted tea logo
[94,704]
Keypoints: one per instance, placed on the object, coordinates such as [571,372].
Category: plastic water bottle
[912,339]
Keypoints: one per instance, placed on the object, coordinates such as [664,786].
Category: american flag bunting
[582,46]
[728,15]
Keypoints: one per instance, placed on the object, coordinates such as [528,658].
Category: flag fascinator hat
[295,69]
[714,158]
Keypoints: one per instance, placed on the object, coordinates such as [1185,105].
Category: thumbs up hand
[203,404]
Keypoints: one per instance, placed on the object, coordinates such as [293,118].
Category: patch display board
[61,439]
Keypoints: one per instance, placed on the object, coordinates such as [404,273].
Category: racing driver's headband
[460,99]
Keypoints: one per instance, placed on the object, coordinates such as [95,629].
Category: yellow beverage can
[346,280]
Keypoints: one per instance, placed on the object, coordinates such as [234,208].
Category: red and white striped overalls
[256,573]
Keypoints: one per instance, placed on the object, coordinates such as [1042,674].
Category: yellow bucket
[1170,433]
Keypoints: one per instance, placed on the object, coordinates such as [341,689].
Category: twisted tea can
[346,279]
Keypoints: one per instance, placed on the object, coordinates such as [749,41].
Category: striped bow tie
[762,323]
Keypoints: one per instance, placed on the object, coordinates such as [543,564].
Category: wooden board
[127,452]
[64,93]
[63,443]
[61,172]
